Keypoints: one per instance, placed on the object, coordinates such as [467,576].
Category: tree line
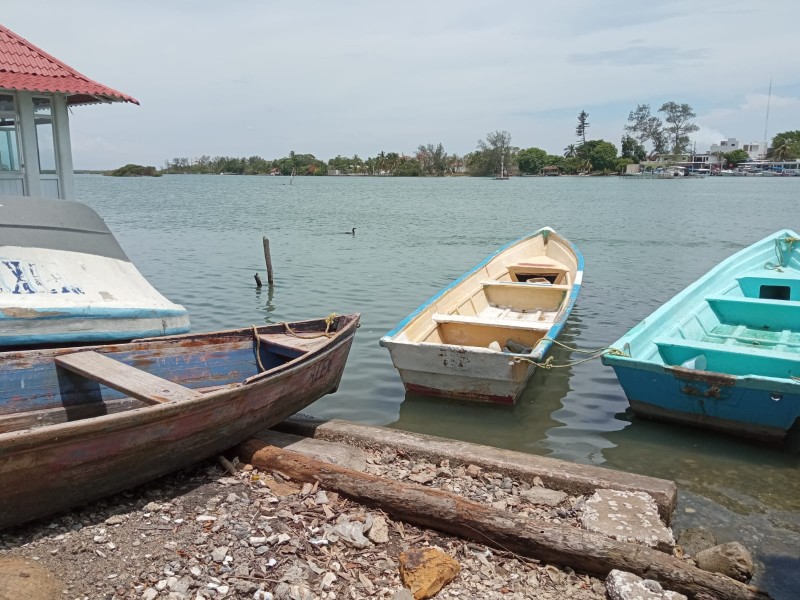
[665,132]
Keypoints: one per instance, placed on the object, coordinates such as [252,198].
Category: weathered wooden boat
[77,424]
[481,337]
[725,352]
[64,279]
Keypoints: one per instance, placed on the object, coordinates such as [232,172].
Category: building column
[66,174]
[30,149]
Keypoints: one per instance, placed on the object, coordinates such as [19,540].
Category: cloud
[761,101]
[654,56]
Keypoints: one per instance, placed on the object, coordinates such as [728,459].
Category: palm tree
[571,151]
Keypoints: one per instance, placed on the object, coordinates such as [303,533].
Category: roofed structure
[24,66]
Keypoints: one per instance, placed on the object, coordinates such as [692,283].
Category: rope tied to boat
[327,333]
[550,364]
[781,254]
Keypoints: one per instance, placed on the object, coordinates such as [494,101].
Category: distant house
[551,171]
[36,91]
[756,150]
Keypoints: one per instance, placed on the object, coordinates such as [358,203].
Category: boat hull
[51,468]
[749,407]
[64,279]
[481,338]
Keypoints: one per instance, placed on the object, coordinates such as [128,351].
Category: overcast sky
[263,78]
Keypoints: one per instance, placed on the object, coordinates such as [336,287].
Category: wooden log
[575,479]
[268,259]
[258,280]
[549,542]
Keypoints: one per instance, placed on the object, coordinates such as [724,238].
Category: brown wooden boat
[77,424]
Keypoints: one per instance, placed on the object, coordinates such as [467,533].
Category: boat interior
[510,303]
[72,384]
[752,328]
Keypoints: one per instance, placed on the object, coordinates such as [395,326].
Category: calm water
[198,240]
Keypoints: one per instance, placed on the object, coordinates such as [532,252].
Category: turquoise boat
[725,352]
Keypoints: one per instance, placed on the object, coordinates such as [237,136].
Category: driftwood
[552,543]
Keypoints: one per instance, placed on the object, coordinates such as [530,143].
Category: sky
[246,77]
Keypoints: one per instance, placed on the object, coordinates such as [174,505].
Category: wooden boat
[77,424]
[725,352]
[64,279]
[481,337]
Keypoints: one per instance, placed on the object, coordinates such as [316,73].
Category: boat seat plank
[756,312]
[526,284]
[298,344]
[124,378]
[493,322]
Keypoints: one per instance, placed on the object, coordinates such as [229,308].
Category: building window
[9,134]
[43,115]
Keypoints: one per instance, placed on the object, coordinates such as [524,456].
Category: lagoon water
[198,240]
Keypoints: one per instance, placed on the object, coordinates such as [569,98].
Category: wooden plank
[299,342]
[492,322]
[527,284]
[124,378]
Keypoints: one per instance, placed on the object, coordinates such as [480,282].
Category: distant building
[755,150]
[36,91]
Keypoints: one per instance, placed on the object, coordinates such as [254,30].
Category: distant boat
[77,424]
[481,337]
[725,352]
[64,279]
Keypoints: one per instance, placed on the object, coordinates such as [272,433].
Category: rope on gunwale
[781,254]
[549,364]
[327,333]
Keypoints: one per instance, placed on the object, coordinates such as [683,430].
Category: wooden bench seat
[756,312]
[527,284]
[124,378]
[490,322]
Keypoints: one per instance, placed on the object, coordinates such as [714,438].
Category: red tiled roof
[23,66]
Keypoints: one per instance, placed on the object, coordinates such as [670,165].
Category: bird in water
[353,232]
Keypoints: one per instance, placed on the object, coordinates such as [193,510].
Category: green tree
[632,149]
[408,168]
[570,151]
[583,125]
[603,156]
[735,157]
[494,151]
[532,160]
[647,127]
[433,158]
[679,125]
[785,145]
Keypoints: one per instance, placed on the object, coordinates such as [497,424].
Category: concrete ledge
[556,474]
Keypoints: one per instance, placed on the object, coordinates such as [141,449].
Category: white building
[756,150]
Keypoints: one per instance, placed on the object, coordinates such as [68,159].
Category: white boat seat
[526,284]
[490,322]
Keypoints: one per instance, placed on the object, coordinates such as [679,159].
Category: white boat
[64,279]
[482,336]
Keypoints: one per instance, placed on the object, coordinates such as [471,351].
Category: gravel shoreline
[206,533]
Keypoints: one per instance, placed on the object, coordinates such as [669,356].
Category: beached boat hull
[724,353]
[64,279]
[66,439]
[455,344]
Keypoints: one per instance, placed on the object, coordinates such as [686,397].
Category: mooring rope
[549,364]
[327,333]
[780,254]
[261,368]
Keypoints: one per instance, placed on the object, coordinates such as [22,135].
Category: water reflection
[264,302]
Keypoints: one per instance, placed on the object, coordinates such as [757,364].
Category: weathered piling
[268,259]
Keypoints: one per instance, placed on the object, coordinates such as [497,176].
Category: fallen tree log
[548,542]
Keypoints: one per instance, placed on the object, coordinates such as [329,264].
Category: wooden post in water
[268,258]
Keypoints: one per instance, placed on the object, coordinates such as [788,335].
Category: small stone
[379,532]
[473,470]
[423,477]
[205,518]
[223,589]
[403,594]
[151,507]
[627,586]
[542,496]
[114,520]
[695,540]
[321,497]
[425,571]
[150,594]
[218,554]
[327,580]
[731,559]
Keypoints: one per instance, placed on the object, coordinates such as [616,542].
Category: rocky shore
[222,531]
